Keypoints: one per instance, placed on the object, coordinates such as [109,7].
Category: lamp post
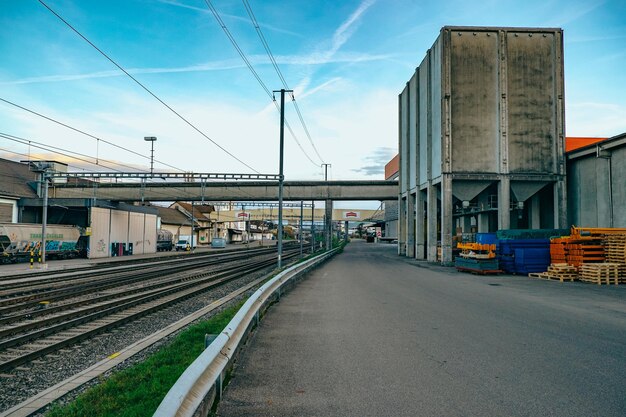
[151,139]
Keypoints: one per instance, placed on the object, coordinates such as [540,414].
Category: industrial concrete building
[481,137]
[597,184]
[391,207]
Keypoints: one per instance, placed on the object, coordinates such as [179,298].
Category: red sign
[351,214]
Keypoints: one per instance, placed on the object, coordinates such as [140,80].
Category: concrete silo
[481,137]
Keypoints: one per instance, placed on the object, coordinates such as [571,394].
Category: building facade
[597,184]
[481,138]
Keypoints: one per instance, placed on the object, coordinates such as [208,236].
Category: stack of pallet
[605,273]
[558,250]
[585,250]
[559,271]
[616,252]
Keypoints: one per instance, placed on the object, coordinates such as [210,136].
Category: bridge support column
[431,213]
[401,226]
[329,224]
[420,225]
[446,219]
[410,226]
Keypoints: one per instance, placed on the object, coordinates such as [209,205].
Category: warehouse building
[481,138]
[597,184]
[114,228]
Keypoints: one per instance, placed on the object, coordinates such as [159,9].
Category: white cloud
[351,127]
[595,119]
[305,60]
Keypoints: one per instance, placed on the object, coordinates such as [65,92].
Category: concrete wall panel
[404,145]
[412,128]
[99,244]
[149,238]
[532,130]
[435,54]
[618,175]
[119,226]
[423,121]
[474,97]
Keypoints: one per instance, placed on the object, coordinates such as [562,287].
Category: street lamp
[151,139]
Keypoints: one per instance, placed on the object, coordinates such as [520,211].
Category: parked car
[183,244]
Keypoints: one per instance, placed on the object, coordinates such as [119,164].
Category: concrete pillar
[410,226]
[482,222]
[467,224]
[535,212]
[446,219]
[420,230]
[504,203]
[401,226]
[329,224]
[431,223]
[560,204]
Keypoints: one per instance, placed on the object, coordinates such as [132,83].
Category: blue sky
[347,61]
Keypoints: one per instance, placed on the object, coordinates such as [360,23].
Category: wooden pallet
[479,271]
[559,272]
[604,273]
[553,277]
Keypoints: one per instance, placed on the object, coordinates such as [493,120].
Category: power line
[29,142]
[33,144]
[256,25]
[146,88]
[85,133]
[253,71]
[29,159]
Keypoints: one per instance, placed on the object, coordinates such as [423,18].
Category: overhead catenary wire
[146,88]
[12,152]
[99,139]
[257,27]
[51,148]
[32,143]
[253,71]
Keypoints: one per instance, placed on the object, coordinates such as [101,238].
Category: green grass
[138,391]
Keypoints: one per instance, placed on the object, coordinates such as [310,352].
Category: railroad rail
[31,327]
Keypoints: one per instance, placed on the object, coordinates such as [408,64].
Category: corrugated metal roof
[15,178]
[173,216]
[392,168]
[571,144]
[197,208]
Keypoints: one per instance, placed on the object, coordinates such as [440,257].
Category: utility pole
[301,239]
[44,216]
[281,177]
[192,228]
[312,227]
[327,220]
[326,171]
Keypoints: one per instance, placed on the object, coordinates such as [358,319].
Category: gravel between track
[52,369]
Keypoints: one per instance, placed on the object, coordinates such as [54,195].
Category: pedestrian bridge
[228,191]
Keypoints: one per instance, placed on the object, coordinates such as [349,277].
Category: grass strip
[138,390]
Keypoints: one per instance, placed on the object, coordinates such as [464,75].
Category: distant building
[391,207]
[596,182]
[17,181]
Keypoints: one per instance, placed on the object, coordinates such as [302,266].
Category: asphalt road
[375,334]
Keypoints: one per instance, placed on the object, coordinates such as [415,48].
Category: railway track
[36,321]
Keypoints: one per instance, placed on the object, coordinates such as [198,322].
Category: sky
[346,61]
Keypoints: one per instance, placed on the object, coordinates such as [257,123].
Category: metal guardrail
[202,382]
